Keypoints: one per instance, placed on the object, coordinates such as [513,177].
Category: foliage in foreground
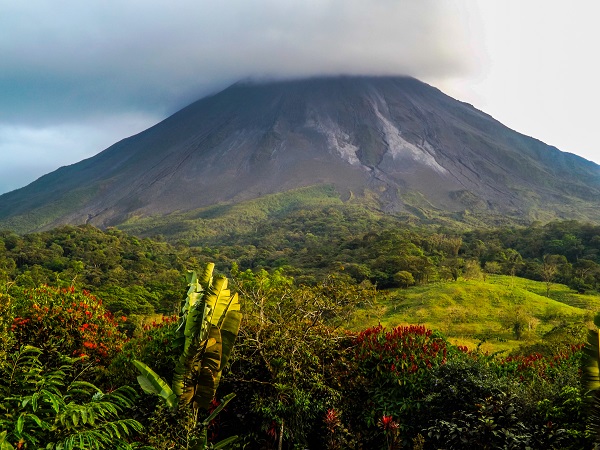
[52,408]
[80,323]
[301,379]
[209,323]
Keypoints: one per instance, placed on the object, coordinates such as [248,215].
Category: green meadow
[501,313]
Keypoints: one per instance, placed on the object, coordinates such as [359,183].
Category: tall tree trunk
[280,445]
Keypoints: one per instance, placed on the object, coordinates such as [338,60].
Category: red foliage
[403,350]
[75,323]
[332,420]
[537,365]
[387,423]
[165,321]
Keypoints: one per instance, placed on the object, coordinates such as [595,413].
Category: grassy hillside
[502,312]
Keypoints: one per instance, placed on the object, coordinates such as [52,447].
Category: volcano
[395,140]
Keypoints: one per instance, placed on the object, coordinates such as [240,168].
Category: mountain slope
[394,139]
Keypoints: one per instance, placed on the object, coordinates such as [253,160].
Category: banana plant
[591,379]
[208,326]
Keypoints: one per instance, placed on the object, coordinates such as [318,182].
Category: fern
[41,408]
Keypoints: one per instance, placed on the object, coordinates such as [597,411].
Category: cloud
[62,60]
[27,153]
[78,76]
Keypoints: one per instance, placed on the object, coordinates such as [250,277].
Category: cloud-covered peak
[68,59]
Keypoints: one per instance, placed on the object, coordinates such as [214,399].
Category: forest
[336,343]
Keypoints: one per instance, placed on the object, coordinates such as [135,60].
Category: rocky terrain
[396,140]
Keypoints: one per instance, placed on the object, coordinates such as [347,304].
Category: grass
[475,312]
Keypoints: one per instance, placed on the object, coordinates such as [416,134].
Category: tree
[282,365]
[586,270]
[473,270]
[404,279]
[512,261]
[548,270]
[518,321]
[209,323]
[454,266]
[492,267]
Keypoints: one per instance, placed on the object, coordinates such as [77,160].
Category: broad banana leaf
[209,325]
[198,355]
[591,378]
[229,332]
[226,302]
[219,298]
[205,278]
[182,384]
[207,357]
[152,383]
[205,388]
[195,322]
[192,279]
[592,366]
[211,357]
[233,305]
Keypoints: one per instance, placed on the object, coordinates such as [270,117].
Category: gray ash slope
[395,138]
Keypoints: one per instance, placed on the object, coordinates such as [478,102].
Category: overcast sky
[77,76]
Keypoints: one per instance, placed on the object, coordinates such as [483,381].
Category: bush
[397,369]
[151,342]
[477,401]
[6,322]
[50,408]
[67,321]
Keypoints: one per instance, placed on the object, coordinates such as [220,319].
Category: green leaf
[38,421]
[211,357]
[229,332]
[218,409]
[159,385]
[205,278]
[84,384]
[225,442]
[219,298]
[3,444]
[204,389]
[147,385]
[192,279]
[20,423]
[54,399]
[34,401]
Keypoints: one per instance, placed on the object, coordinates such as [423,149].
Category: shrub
[397,367]
[150,342]
[50,408]
[478,401]
[67,321]
[6,321]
